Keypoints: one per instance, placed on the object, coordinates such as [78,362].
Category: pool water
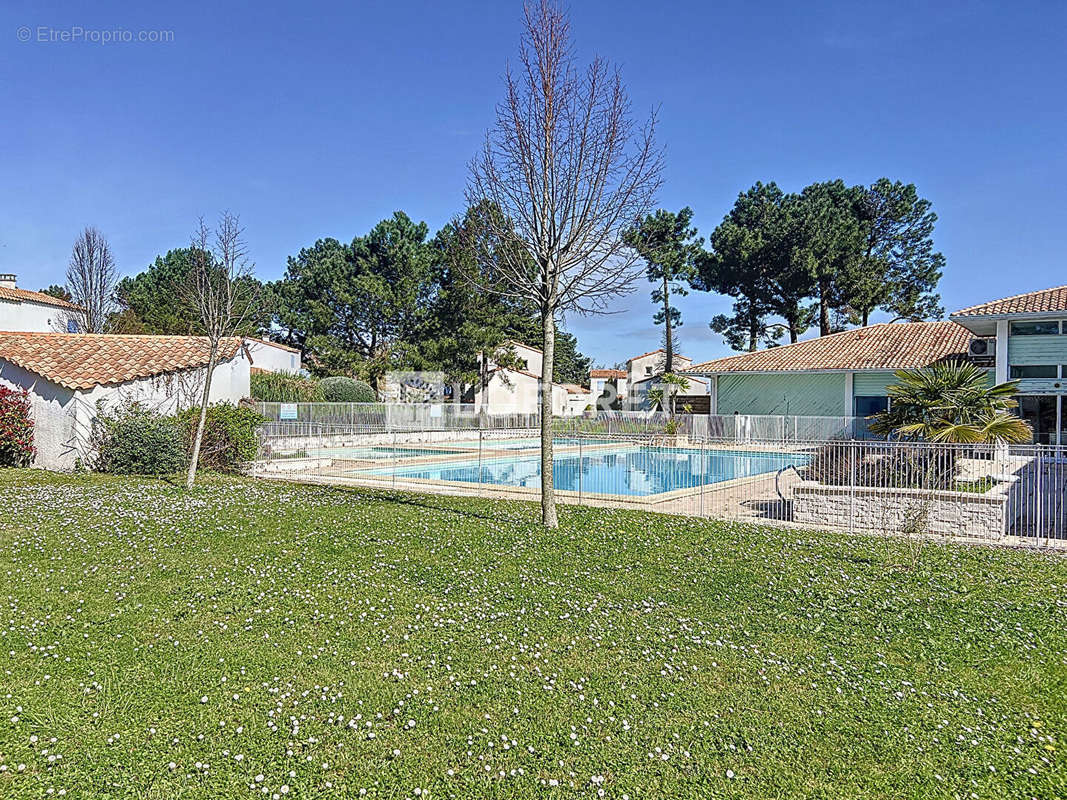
[386,452]
[635,471]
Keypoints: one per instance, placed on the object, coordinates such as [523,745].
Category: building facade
[842,375]
[23,310]
[69,377]
[1025,338]
[516,389]
[1021,338]
[272,356]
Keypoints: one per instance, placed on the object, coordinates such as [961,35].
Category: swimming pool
[387,452]
[457,448]
[636,471]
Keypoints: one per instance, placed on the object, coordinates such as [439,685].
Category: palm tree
[674,383]
[655,398]
[951,402]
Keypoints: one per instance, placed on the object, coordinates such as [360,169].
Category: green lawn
[269,640]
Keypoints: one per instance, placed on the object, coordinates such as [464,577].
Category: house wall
[510,392]
[576,403]
[532,357]
[26,316]
[273,358]
[802,394]
[63,418]
[639,367]
[1037,350]
[51,407]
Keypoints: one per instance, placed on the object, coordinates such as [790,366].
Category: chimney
[7,280]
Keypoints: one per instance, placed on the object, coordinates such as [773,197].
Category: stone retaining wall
[882,510]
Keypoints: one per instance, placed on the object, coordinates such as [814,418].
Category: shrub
[133,440]
[284,387]
[340,389]
[16,428]
[229,436]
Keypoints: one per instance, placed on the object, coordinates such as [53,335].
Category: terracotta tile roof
[83,360]
[692,379]
[26,296]
[658,350]
[607,373]
[573,388]
[1046,300]
[886,346]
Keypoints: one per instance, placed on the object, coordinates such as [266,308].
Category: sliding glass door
[1043,414]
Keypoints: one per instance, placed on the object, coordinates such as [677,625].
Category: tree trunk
[548,354]
[824,313]
[866,316]
[669,367]
[195,457]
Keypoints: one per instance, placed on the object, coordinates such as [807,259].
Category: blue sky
[318,119]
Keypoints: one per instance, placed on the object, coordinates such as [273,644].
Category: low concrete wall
[879,510]
[282,444]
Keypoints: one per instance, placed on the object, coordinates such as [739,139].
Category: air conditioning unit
[982,349]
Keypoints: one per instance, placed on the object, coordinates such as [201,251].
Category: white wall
[63,417]
[515,392]
[638,367]
[51,406]
[26,316]
[532,356]
[273,358]
[510,392]
[576,403]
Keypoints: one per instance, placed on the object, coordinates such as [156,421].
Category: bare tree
[91,281]
[570,172]
[224,294]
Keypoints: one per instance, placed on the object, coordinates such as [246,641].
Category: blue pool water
[634,471]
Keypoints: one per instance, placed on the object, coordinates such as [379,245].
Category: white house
[517,390]
[272,356]
[644,371]
[611,381]
[67,375]
[23,310]
[578,399]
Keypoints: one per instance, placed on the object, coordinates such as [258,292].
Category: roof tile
[1046,300]
[885,346]
[25,295]
[83,360]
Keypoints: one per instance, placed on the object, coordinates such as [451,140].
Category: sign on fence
[287,411]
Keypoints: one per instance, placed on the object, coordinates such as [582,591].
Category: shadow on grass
[442,503]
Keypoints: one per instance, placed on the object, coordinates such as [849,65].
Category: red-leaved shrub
[16,428]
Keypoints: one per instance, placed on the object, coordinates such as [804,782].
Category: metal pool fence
[992,493]
[368,417]
[390,416]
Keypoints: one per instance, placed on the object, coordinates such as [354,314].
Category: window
[648,370]
[1035,328]
[1040,412]
[1034,371]
[865,405]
